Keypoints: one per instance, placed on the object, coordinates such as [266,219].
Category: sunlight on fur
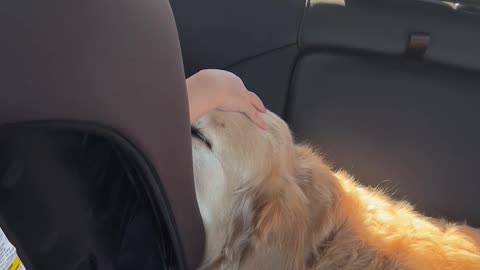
[268,203]
[394,229]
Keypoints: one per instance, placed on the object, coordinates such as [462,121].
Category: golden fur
[268,203]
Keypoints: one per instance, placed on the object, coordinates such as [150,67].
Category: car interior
[95,155]
[387,90]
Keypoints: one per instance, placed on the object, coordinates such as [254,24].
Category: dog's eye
[199,135]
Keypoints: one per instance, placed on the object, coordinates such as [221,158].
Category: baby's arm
[213,89]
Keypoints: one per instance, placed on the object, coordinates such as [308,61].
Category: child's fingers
[253,114]
[256,102]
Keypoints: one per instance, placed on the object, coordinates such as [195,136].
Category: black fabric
[69,201]
[385,27]
[405,125]
[139,245]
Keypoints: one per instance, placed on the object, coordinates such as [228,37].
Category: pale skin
[213,89]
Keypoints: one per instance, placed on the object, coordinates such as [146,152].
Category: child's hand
[222,90]
[235,97]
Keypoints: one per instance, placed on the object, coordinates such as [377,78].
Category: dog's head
[247,154]
[249,189]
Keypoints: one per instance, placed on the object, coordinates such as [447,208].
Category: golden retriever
[268,203]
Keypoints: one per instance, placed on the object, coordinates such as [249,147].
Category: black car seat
[95,156]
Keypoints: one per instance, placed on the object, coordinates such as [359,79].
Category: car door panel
[386,27]
[405,126]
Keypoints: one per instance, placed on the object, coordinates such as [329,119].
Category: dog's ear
[282,214]
[274,214]
[269,216]
[281,220]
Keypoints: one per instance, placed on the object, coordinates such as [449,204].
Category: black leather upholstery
[384,117]
[405,126]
